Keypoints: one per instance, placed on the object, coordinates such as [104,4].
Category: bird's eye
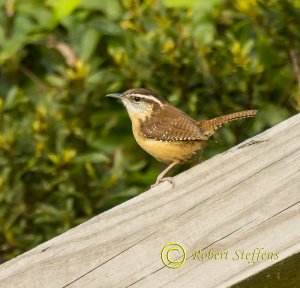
[137,99]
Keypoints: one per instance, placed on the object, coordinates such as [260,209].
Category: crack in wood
[98,266]
[278,213]
[253,142]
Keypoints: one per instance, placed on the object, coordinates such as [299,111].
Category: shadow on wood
[237,203]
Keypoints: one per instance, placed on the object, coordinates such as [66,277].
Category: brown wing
[171,124]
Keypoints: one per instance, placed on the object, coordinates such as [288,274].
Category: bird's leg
[160,177]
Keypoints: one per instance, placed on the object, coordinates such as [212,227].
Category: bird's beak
[115,95]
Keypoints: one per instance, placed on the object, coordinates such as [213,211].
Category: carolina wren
[167,133]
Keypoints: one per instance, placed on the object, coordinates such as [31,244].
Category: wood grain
[245,198]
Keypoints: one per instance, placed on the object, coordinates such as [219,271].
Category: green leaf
[111,8]
[89,43]
[62,8]
[180,3]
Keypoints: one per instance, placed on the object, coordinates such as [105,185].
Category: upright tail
[209,127]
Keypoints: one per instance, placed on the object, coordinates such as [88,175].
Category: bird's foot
[166,179]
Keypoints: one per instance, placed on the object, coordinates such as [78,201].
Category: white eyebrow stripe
[149,97]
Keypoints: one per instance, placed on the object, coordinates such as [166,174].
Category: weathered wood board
[245,198]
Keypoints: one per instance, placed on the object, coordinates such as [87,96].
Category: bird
[167,133]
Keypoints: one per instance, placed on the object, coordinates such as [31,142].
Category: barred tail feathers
[209,127]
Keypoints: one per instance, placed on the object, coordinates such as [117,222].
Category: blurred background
[67,152]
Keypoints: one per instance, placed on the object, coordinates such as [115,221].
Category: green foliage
[66,152]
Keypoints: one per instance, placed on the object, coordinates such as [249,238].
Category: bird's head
[140,102]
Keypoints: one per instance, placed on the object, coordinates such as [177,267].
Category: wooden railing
[244,203]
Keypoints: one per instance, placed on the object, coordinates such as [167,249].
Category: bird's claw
[166,179]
